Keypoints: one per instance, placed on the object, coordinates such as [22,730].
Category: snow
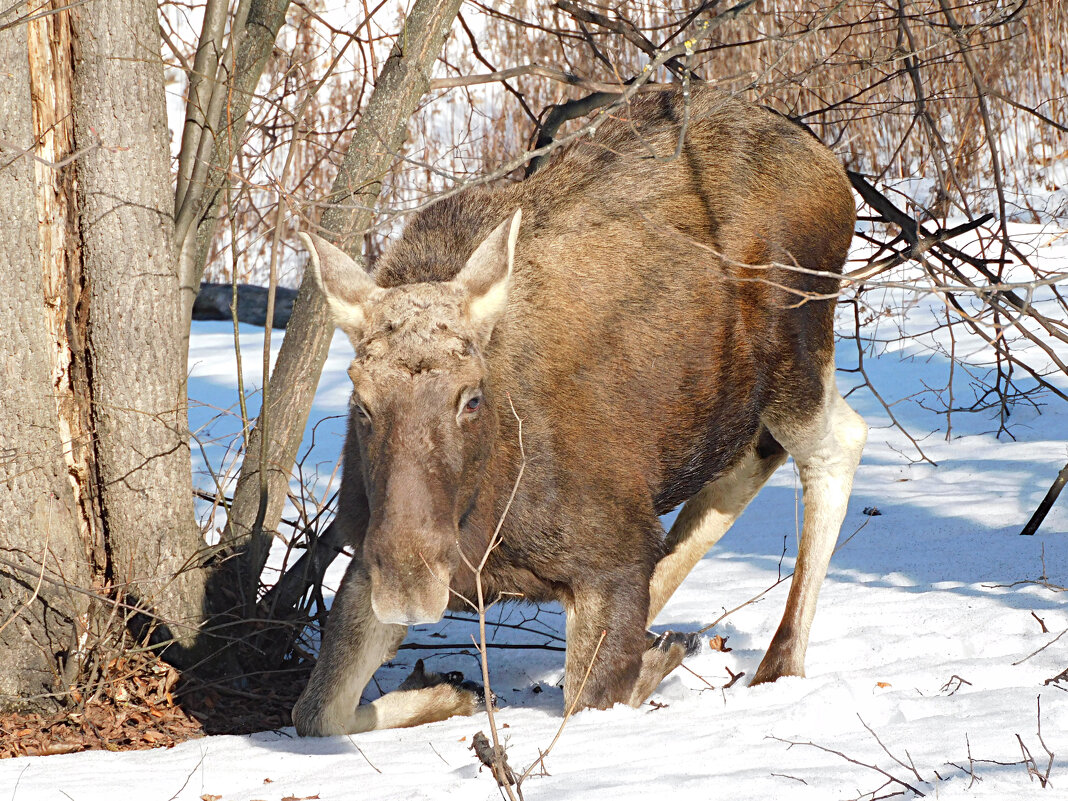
[925,640]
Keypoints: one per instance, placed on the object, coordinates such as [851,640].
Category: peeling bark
[40,621]
[50,58]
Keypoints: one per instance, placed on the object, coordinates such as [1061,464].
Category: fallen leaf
[882,684]
[60,748]
[209,797]
[719,643]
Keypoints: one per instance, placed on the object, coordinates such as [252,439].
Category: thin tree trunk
[40,548]
[208,162]
[403,80]
[135,316]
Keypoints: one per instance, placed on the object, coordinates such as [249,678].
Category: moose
[649,320]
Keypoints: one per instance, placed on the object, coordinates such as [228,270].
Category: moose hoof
[669,641]
[421,678]
[663,653]
[768,673]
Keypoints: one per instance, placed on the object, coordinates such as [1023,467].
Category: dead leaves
[718,643]
[107,725]
[144,703]
[136,710]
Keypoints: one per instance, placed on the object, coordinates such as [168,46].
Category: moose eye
[361,412]
[474,403]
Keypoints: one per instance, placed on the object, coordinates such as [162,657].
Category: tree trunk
[217,142]
[41,620]
[134,336]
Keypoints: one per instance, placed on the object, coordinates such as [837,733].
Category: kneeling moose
[660,319]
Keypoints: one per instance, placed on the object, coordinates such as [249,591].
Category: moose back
[659,318]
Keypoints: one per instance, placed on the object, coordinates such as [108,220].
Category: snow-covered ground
[926,645]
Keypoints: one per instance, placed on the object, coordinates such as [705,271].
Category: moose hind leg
[705,518]
[827,451]
[355,645]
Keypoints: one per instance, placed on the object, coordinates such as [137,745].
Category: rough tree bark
[95,479]
[51,54]
[40,621]
[135,337]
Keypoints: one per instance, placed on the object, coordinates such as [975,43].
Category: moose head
[423,411]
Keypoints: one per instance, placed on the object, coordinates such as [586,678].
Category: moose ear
[344,283]
[487,276]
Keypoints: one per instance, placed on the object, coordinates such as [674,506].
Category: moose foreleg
[610,658]
[605,643]
[355,645]
[827,453]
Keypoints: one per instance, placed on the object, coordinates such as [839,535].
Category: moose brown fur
[660,319]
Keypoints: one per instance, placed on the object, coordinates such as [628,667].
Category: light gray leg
[827,451]
[704,519]
[354,646]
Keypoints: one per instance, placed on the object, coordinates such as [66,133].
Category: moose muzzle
[410,593]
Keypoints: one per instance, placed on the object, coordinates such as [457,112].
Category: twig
[567,715]
[911,766]
[734,678]
[1040,650]
[499,762]
[494,758]
[502,646]
[781,579]
[200,762]
[439,756]
[1062,676]
[889,776]
[552,73]
[539,156]
[949,683]
[31,17]
[1043,778]
[368,761]
[40,578]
